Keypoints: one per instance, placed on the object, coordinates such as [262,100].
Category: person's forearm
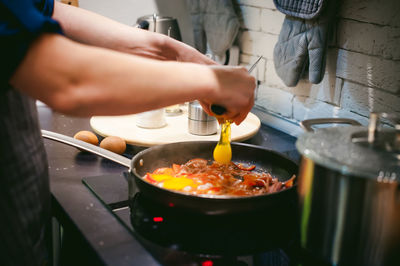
[83,80]
[90,28]
[94,81]
[93,29]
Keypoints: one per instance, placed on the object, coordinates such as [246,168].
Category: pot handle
[307,124]
[87,147]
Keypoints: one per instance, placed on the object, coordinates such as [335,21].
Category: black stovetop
[180,238]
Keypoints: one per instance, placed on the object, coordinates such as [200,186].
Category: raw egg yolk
[172,182]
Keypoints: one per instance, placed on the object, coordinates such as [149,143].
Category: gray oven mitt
[214,23]
[302,46]
[307,9]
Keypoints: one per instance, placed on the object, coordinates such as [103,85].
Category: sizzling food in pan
[201,177]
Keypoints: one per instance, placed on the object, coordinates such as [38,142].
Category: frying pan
[180,152]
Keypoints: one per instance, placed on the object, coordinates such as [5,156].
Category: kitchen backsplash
[363,60]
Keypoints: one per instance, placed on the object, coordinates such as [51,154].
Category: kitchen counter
[100,233]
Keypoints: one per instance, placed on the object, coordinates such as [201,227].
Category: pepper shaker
[199,122]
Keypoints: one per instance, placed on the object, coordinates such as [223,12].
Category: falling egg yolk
[223,151]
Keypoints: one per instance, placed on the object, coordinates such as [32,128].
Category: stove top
[179,238]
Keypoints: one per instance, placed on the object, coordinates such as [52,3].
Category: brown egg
[87,136]
[114,144]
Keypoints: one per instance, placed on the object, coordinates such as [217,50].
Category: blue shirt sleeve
[21,22]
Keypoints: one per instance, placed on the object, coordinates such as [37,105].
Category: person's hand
[182,52]
[161,47]
[235,92]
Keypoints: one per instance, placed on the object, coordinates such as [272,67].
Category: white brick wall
[258,3]
[370,39]
[380,12]
[259,71]
[370,71]
[250,18]
[364,100]
[363,62]
[276,100]
[307,108]
[328,91]
[257,43]
[271,78]
[271,21]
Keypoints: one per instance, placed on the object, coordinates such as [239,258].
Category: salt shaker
[151,119]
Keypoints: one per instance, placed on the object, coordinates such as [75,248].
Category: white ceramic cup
[151,119]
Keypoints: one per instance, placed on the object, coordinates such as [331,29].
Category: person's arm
[83,80]
[87,27]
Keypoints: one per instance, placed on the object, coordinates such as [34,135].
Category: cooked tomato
[150,179]
[164,171]
[244,167]
[176,168]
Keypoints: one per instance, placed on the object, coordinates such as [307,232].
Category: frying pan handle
[87,147]
[307,124]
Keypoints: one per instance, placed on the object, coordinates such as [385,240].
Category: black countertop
[110,241]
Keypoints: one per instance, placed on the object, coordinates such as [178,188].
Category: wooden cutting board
[176,130]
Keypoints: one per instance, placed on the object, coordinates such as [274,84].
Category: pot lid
[349,151]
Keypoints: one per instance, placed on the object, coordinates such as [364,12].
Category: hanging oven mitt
[214,23]
[303,40]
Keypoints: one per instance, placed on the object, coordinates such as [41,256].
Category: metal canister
[199,122]
[161,24]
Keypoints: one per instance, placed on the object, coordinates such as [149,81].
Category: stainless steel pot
[199,122]
[161,24]
[349,193]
